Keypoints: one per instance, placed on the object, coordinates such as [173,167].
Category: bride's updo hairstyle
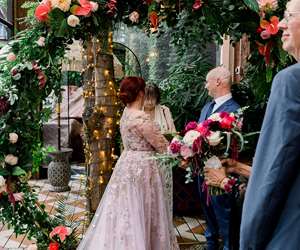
[130,88]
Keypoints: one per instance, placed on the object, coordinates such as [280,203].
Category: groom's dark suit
[271,212]
[217,214]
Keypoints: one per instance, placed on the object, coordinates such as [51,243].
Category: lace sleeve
[152,134]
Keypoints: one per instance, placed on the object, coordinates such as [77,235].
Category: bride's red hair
[130,88]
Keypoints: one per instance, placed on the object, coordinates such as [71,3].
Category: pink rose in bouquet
[191,126]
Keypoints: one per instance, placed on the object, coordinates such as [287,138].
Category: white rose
[95,6]
[11,159]
[215,117]
[32,247]
[190,137]
[2,184]
[13,138]
[73,21]
[214,138]
[41,41]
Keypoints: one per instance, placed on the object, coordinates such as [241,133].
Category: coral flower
[61,231]
[42,11]
[272,26]
[85,8]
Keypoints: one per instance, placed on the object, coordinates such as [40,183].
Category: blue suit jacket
[271,212]
[228,106]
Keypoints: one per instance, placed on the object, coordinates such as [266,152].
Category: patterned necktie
[210,109]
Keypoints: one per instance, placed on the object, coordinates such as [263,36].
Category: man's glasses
[290,15]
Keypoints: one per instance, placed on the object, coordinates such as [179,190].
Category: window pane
[4,13]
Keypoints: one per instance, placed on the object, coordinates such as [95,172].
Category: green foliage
[39,154]
[183,91]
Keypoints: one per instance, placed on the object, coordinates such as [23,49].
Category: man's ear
[218,81]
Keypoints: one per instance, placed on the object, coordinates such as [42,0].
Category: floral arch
[31,70]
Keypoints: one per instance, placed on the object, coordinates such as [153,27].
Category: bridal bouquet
[204,144]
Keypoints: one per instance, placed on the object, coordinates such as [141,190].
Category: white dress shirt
[220,100]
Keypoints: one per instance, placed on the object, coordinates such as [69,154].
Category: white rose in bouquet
[214,138]
[13,138]
[73,21]
[11,159]
[2,184]
[190,137]
[215,117]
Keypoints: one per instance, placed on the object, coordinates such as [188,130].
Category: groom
[271,212]
[217,214]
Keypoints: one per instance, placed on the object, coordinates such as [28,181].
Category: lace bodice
[139,133]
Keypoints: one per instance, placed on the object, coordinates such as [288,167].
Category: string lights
[100,116]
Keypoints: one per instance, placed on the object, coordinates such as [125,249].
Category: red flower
[153,18]
[175,147]
[203,129]
[227,122]
[42,11]
[53,246]
[259,30]
[272,26]
[197,5]
[197,145]
[265,50]
[190,126]
[224,114]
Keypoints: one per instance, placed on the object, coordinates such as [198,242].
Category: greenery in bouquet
[201,144]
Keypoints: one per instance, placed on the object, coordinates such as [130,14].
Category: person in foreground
[133,213]
[271,214]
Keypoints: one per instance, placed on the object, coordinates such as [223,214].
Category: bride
[133,213]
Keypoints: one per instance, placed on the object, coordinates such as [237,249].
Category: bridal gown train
[133,213]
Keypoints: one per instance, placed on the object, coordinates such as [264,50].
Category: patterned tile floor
[189,230]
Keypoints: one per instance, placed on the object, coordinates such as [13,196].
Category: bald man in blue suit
[217,214]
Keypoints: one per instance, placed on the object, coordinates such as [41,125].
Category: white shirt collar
[220,100]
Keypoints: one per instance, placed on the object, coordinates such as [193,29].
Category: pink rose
[41,41]
[186,152]
[11,57]
[197,5]
[265,35]
[190,126]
